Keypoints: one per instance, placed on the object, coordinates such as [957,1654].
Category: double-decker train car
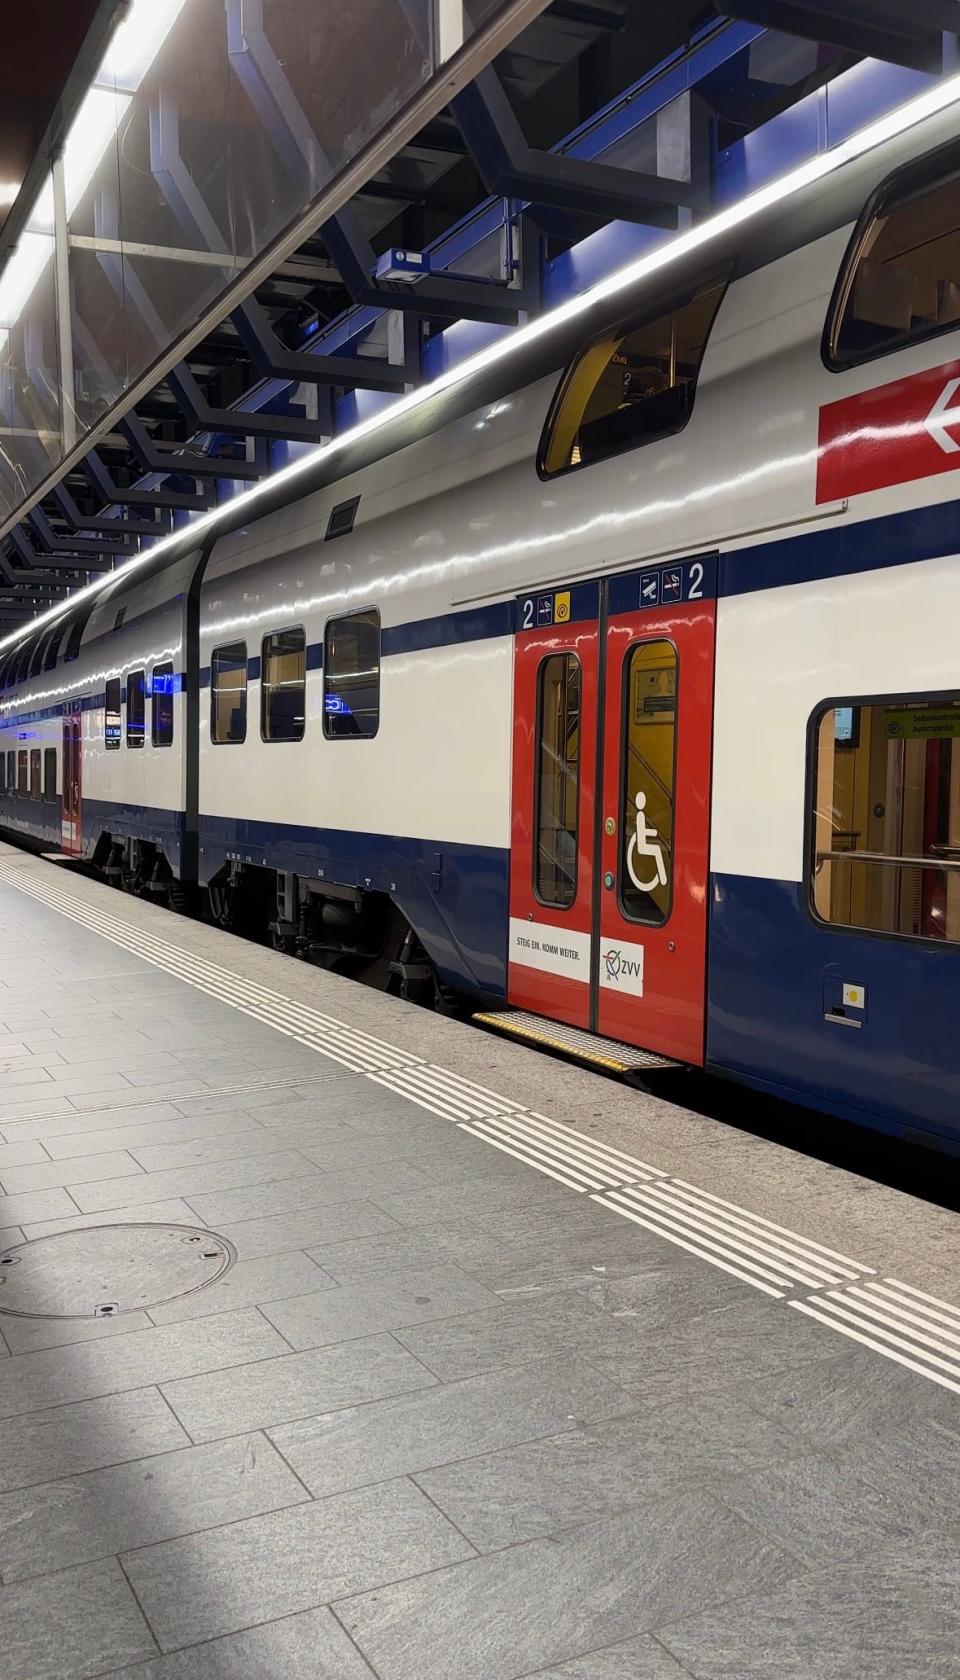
[613,689]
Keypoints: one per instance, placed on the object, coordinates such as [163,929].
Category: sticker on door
[621,966]
[552,950]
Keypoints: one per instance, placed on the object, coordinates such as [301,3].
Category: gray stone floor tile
[395,1249]
[890,1615]
[846,1397]
[151,1213]
[346,1222]
[86,1624]
[455,1421]
[9,1236]
[610,1318]
[246,1139]
[32,1205]
[365,1184]
[541,1265]
[59,1375]
[54,1525]
[175,1132]
[14,1110]
[438,1204]
[309,1646]
[583,1475]
[637,1659]
[189,1181]
[295,1386]
[818,1508]
[508,1614]
[67,1440]
[22,1154]
[719,1350]
[914,1470]
[72,1081]
[273,1278]
[79,1169]
[28,1335]
[293,1560]
[68,1132]
[25,1079]
[362,1309]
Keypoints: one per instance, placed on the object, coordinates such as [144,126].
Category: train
[610,693]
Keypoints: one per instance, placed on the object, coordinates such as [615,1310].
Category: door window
[649,753]
[558,779]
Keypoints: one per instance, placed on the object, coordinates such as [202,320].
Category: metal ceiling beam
[436,298]
[50,543]
[189,461]
[134,496]
[512,169]
[238,422]
[273,359]
[884,29]
[76,520]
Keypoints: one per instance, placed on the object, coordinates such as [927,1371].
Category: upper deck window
[633,385]
[901,281]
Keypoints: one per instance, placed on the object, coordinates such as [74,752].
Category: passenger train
[617,684]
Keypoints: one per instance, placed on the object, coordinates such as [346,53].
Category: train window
[36,663]
[901,281]
[23,774]
[162,684]
[53,648]
[111,718]
[558,779]
[283,663]
[49,772]
[351,676]
[3,772]
[136,708]
[649,750]
[72,649]
[36,785]
[228,693]
[11,772]
[632,385]
[886,817]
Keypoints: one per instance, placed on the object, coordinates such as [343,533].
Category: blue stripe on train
[775,973]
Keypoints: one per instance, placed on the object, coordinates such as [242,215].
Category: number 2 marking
[526,622]
[695,591]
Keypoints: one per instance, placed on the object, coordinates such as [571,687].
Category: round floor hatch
[101,1271]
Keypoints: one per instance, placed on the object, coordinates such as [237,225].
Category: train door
[70,831]
[611,795]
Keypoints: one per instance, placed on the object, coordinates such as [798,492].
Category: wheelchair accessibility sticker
[645,862]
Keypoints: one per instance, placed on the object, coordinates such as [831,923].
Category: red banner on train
[897,432]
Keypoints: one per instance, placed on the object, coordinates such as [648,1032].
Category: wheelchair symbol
[644,844]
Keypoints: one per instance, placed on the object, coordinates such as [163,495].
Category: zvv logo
[618,965]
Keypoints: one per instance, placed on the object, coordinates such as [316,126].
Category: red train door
[612,754]
[70,831]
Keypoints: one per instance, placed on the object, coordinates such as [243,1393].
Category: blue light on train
[336,705]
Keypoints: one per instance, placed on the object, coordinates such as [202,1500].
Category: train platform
[341,1340]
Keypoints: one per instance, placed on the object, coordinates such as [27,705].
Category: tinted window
[283,686]
[11,772]
[649,738]
[886,817]
[136,708]
[36,785]
[36,663]
[50,773]
[351,675]
[53,648]
[162,684]
[634,384]
[558,779]
[902,280]
[23,774]
[228,693]
[111,720]
[3,772]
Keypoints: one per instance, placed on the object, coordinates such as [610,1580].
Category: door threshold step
[589,1047]
[59,857]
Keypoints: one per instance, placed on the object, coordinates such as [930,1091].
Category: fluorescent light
[24,267]
[888,127]
[8,193]
[137,41]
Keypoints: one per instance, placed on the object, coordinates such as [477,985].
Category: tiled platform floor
[445,1419]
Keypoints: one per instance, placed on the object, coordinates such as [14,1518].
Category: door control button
[610,826]
[608,880]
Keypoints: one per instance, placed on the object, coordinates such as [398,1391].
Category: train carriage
[564,695]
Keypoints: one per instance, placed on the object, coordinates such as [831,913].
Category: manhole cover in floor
[101,1271]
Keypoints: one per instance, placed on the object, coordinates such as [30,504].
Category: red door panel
[554,797]
[611,806]
[655,822]
[72,771]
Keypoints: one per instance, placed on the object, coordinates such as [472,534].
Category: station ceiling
[551,143]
